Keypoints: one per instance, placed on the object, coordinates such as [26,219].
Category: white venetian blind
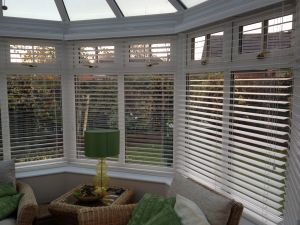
[258,141]
[39,54]
[96,54]
[266,35]
[233,130]
[155,52]
[205,47]
[96,99]
[35,117]
[200,130]
[292,198]
[149,119]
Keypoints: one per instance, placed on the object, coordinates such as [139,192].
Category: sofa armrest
[236,213]
[110,215]
[28,208]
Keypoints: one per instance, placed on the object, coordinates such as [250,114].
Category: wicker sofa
[212,201]
[27,209]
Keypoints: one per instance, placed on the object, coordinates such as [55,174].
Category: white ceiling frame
[178,5]
[164,24]
[115,8]
[62,10]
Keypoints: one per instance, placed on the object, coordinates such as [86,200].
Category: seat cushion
[7,172]
[189,212]
[215,206]
[148,207]
[9,221]
[9,204]
[7,189]
[167,216]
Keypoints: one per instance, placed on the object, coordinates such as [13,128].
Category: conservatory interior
[203,96]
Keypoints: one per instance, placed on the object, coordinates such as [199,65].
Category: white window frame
[38,67]
[150,40]
[210,60]
[94,43]
[256,18]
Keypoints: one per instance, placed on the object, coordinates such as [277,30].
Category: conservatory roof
[94,19]
[75,10]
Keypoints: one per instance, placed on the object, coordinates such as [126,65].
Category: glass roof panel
[32,9]
[191,3]
[88,9]
[145,7]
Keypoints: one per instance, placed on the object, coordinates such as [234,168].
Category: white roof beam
[62,10]
[178,5]
[115,8]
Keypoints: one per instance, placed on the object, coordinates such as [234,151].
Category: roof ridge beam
[62,10]
[115,8]
[178,5]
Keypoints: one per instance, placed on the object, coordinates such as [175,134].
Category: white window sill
[114,173]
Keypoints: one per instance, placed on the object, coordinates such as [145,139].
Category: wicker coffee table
[66,208]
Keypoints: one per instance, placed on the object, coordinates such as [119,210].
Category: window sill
[121,173]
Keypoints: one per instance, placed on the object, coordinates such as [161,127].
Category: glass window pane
[216,45]
[191,3]
[280,32]
[32,9]
[35,117]
[251,38]
[199,47]
[88,9]
[96,99]
[145,7]
[149,119]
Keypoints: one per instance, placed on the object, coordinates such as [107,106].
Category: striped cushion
[7,189]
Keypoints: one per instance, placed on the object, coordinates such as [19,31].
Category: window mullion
[121,117]
[226,127]
[227,54]
[69,116]
[179,91]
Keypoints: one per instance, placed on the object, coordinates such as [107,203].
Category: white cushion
[217,208]
[9,221]
[189,212]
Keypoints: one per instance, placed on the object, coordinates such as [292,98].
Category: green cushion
[9,204]
[149,206]
[7,189]
[167,216]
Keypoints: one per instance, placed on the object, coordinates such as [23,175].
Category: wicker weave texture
[111,215]
[28,208]
[117,214]
[69,214]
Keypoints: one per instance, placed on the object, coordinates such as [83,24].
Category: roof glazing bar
[115,8]
[62,10]
[178,5]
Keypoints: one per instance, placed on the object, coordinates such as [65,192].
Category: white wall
[50,187]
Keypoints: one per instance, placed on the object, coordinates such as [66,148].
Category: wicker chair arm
[236,213]
[110,215]
[28,207]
